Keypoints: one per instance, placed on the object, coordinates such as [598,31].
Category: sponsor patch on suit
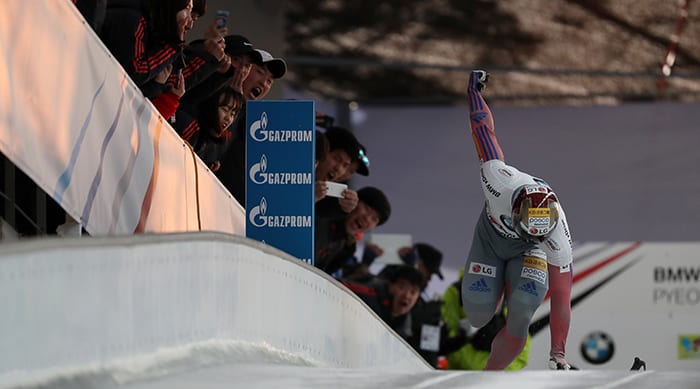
[535,269]
[482,269]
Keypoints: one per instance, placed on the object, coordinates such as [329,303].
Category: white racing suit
[502,264]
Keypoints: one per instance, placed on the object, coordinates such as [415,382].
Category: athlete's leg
[481,121]
[526,286]
[560,281]
[482,284]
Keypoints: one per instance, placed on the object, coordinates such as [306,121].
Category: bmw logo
[597,348]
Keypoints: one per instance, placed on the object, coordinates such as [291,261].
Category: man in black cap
[392,299]
[264,70]
[343,155]
[336,235]
[428,335]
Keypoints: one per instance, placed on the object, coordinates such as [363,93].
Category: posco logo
[260,133]
[534,274]
[259,218]
[258,174]
[538,221]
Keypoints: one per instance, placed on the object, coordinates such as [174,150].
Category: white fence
[73,121]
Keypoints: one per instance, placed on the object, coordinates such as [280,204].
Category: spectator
[521,245]
[336,234]
[146,37]
[360,165]
[392,299]
[168,101]
[429,335]
[344,151]
[235,67]
[209,133]
[474,354]
[265,69]
[426,258]
[199,8]
[204,58]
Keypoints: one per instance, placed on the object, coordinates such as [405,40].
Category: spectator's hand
[241,73]
[450,344]
[224,64]
[376,250]
[408,254]
[215,166]
[162,76]
[215,47]
[321,190]
[349,200]
[404,251]
[179,88]
[215,32]
[370,253]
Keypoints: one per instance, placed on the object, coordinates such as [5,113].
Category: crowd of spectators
[201,87]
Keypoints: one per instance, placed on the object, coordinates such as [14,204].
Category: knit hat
[376,199]
[340,138]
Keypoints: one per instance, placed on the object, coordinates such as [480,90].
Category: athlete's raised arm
[481,120]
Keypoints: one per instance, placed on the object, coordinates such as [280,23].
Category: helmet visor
[535,212]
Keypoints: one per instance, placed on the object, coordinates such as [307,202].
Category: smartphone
[221,18]
[335,189]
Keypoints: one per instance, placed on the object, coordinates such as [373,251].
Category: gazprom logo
[259,218]
[259,175]
[257,214]
[259,132]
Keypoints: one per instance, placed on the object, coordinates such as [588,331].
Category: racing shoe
[554,365]
[482,78]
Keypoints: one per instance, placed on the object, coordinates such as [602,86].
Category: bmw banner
[280,184]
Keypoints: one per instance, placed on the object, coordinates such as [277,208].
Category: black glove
[450,344]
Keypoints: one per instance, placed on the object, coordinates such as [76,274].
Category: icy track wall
[68,304]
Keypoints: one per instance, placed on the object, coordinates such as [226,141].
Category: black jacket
[376,295]
[141,51]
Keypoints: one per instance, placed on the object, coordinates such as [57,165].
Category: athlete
[521,247]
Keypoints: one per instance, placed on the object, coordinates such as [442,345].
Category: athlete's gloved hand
[556,363]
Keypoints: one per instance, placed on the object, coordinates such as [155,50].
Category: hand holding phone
[221,18]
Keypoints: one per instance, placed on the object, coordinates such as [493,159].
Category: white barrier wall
[73,121]
[645,298]
[79,302]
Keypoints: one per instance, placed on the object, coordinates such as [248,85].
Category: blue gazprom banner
[280,187]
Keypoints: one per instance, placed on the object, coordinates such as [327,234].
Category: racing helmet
[535,211]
